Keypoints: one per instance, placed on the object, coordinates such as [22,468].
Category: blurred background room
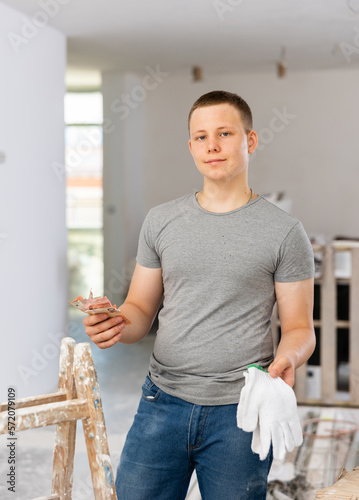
[94,99]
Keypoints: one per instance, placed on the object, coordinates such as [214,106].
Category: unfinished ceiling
[218,35]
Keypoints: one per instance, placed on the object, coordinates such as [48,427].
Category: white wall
[33,246]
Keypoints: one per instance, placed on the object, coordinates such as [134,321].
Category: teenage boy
[218,259]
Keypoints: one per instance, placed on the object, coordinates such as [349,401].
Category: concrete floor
[121,371]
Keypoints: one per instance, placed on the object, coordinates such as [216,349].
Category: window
[84,194]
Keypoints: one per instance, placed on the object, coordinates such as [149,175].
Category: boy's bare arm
[295,308]
[140,307]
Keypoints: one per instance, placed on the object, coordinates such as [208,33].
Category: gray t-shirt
[218,274]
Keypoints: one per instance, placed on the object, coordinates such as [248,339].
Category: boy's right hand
[102,330]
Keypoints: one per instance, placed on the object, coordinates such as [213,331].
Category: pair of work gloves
[268,408]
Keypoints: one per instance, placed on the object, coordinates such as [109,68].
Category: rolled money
[98,305]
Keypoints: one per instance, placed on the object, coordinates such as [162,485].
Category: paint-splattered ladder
[78,397]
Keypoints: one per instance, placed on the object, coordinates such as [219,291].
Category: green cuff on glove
[259,368]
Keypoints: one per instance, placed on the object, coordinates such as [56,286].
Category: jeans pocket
[150,392]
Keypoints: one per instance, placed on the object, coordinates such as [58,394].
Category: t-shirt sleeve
[146,252]
[295,259]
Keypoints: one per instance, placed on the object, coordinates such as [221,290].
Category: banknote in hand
[98,305]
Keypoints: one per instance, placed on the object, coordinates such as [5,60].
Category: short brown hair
[222,97]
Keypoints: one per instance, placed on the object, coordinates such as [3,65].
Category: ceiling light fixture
[282,65]
[197,74]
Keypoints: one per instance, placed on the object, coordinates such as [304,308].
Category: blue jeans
[170,438]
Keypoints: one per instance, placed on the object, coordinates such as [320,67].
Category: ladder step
[48,414]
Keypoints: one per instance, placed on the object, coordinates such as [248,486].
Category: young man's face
[218,142]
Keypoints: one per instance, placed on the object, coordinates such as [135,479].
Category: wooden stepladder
[78,397]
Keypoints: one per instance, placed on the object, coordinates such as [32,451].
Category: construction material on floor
[331,442]
[345,488]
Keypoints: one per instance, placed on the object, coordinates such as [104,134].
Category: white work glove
[268,408]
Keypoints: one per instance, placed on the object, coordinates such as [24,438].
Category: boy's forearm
[294,349]
[141,323]
[298,345]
